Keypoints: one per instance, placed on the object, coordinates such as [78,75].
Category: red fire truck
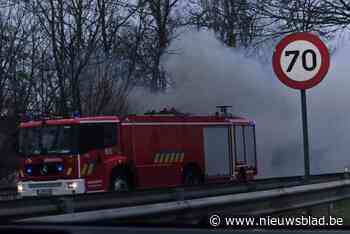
[119,153]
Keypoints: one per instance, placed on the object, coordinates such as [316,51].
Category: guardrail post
[330,209]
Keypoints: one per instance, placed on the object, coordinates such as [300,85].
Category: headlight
[19,188]
[72,185]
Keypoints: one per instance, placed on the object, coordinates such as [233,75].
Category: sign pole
[305,134]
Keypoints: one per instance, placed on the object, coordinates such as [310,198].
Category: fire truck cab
[120,153]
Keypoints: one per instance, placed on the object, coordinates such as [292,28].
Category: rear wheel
[242,175]
[120,182]
[192,176]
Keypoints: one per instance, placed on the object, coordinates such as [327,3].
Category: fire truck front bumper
[48,188]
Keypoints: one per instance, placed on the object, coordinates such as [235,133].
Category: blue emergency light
[29,169]
[60,168]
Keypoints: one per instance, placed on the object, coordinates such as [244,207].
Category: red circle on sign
[307,84]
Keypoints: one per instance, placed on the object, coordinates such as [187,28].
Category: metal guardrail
[320,192]
[39,206]
[10,193]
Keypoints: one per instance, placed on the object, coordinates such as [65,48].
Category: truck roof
[135,119]
[66,121]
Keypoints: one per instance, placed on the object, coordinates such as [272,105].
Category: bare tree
[283,17]
[72,28]
[15,59]
[162,22]
[232,20]
[112,69]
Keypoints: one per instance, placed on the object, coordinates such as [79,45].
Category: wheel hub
[120,185]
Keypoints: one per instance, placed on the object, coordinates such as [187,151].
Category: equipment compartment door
[216,151]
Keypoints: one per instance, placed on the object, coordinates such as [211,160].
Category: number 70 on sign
[301,60]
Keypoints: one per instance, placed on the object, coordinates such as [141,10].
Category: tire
[120,182]
[192,176]
[242,175]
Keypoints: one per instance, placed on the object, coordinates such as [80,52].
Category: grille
[45,185]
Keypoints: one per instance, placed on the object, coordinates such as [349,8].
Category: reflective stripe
[182,157]
[84,169]
[69,171]
[79,173]
[96,191]
[161,158]
[91,168]
[94,182]
[178,157]
[156,158]
[167,158]
[173,155]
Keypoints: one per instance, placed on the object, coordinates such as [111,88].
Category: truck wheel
[120,182]
[192,176]
[242,175]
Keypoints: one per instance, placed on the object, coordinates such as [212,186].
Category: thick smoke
[329,112]
[207,74]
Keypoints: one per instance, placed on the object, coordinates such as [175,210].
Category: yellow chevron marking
[91,168]
[83,170]
[69,171]
[173,157]
[164,157]
[182,157]
[156,158]
[170,157]
[177,157]
[161,158]
[167,159]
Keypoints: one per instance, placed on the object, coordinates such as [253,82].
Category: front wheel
[120,182]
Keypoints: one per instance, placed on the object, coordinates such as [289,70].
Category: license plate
[44,192]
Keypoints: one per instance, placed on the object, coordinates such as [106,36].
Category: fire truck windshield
[48,139]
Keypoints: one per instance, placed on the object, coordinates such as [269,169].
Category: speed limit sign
[301,60]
